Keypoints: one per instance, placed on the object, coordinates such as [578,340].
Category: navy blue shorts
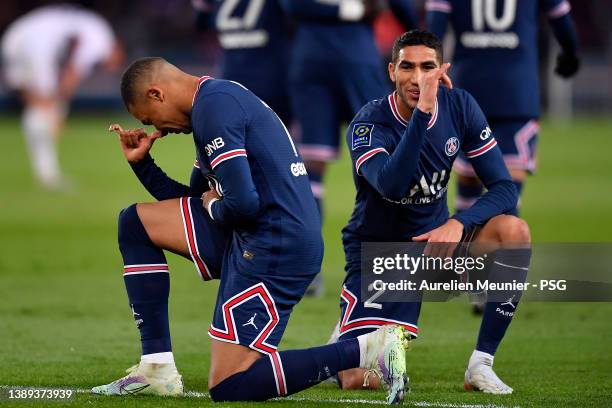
[360,316]
[253,306]
[517,139]
[206,240]
[324,96]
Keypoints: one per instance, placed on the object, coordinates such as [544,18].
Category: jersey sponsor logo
[425,192]
[214,146]
[452,146]
[362,135]
[485,134]
[298,169]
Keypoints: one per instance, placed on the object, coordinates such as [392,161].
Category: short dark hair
[417,37]
[134,74]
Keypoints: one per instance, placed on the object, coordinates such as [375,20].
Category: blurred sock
[147,281]
[39,127]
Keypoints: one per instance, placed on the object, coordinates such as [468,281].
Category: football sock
[509,265]
[316,184]
[147,281]
[39,127]
[466,196]
[287,372]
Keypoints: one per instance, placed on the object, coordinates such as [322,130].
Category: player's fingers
[446,81]
[115,127]
[156,135]
[422,237]
[443,69]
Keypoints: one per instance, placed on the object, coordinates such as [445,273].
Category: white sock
[158,358]
[363,345]
[39,127]
[480,356]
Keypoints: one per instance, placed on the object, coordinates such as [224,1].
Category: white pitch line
[197,394]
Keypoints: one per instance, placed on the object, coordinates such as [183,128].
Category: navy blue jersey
[324,35]
[267,199]
[385,213]
[253,36]
[496,51]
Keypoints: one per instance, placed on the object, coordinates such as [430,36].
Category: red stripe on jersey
[366,156]
[395,111]
[481,150]
[226,156]
[200,82]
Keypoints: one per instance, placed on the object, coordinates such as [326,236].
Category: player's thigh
[163,222]
[184,227]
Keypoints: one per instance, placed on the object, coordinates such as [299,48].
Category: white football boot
[147,379]
[480,376]
[384,350]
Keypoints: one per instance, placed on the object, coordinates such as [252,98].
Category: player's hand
[135,143]
[428,87]
[444,239]
[208,196]
[567,65]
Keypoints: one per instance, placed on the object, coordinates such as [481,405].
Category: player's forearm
[499,199]
[240,204]
[157,183]
[391,175]
[565,32]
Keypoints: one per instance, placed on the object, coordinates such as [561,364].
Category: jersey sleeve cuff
[209,207]
[466,225]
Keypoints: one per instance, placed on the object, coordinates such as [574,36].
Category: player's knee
[130,228]
[514,229]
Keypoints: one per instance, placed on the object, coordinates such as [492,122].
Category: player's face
[158,111]
[412,63]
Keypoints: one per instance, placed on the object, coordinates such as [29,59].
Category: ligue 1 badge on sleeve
[362,135]
[451,146]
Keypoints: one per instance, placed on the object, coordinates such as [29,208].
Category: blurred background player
[253,37]
[496,60]
[335,70]
[46,54]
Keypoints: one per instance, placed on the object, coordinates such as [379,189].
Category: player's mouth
[414,93]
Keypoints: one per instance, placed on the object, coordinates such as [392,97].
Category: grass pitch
[65,322]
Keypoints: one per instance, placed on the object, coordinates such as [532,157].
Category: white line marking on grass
[407,401]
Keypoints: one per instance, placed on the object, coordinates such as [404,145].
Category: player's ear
[391,69]
[156,94]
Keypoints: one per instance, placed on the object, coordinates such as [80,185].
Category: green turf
[64,320]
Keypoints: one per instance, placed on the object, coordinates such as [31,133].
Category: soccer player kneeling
[257,230]
[403,147]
